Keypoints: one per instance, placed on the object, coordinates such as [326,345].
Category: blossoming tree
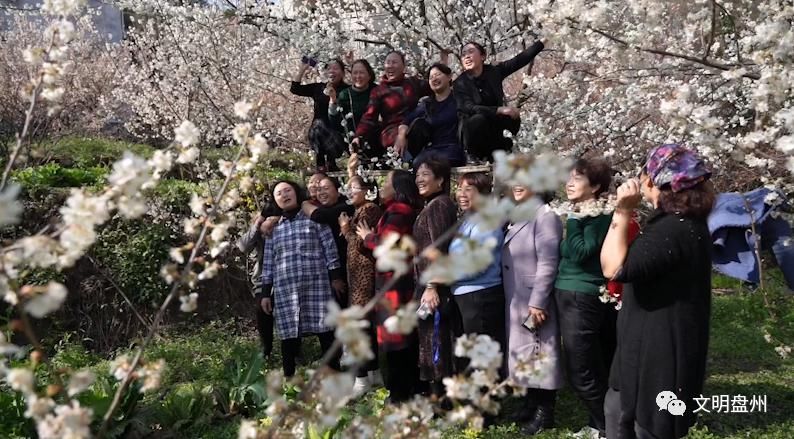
[619,76]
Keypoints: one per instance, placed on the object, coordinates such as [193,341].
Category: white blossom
[20,380]
[189,302]
[242,108]
[46,300]
[188,155]
[187,135]
[404,321]
[247,430]
[38,407]
[10,208]
[80,381]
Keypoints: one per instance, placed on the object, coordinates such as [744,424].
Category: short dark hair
[479,47]
[597,171]
[405,190]
[439,166]
[367,67]
[320,173]
[695,202]
[547,197]
[479,180]
[443,68]
[270,208]
[400,54]
[334,181]
[335,61]
[299,192]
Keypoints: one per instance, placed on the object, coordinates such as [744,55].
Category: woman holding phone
[530,255]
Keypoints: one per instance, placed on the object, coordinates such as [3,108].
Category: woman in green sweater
[346,108]
[587,325]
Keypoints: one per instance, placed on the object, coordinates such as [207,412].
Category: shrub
[53,175]
[86,152]
[132,253]
[174,195]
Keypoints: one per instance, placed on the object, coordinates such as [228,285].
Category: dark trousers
[619,425]
[419,136]
[291,346]
[264,325]
[483,312]
[482,135]
[419,145]
[587,327]
[328,144]
[402,373]
[372,332]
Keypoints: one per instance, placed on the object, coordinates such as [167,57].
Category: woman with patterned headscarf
[663,326]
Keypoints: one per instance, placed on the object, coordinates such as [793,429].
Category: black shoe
[543,420]
[525,413]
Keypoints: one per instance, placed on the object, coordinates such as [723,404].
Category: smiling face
[579,189]
[471,57]
[335,73]
[394,67]
[285,196]
[327,194]
[314,183]
[521,194]
[467,196]
[358,193]
[427,182]
[440,82]
[360,76]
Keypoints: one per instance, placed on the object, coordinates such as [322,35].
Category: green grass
[86,152]
[203,360]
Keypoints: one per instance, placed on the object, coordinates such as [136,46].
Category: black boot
[543,418]
[526,412]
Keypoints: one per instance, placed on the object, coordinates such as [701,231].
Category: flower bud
[53,390]
[36,357]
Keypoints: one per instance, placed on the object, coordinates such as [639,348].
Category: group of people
[539,298]
[413,116]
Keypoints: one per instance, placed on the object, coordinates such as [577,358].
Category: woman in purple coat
[530,256]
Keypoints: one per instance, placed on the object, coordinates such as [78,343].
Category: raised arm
[296,88]
[512,65]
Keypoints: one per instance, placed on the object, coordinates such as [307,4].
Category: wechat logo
[667,400]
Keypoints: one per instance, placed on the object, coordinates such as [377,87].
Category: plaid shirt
[296,262]
[391,101]
[398,218]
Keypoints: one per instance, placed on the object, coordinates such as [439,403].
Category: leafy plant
[13,422]
[133,252]
[128,417]
[186,405]
[88,151]
[55,175]
[246,389]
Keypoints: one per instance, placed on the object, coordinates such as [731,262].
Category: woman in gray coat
[530,255]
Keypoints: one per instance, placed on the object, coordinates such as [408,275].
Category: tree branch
[665,53]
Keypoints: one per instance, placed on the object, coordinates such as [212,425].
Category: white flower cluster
[52,420]
[394,253]
[349,324]
[590,208]
[149,373]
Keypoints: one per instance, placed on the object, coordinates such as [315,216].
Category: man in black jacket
[481,100]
